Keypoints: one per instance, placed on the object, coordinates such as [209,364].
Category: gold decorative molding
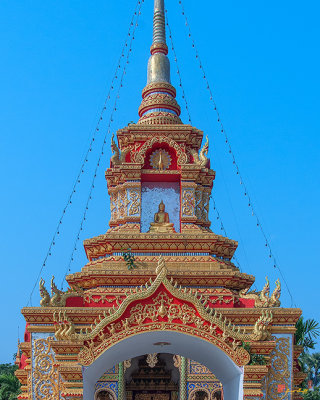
[45,375]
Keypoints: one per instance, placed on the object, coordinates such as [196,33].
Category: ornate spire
[159,28]
[18,355]
[159,105]
[159,65]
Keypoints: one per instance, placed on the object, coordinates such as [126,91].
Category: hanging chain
[68,270]
[222,228]
[86,157]
[178,69]
[189,117]
[226,138]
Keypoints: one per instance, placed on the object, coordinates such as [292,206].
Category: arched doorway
[104,394]
[217,395]
[152,377]
[200,395]
[224,368]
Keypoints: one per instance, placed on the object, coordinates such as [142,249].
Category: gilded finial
[161,265]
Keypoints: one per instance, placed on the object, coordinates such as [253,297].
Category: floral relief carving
[139,156]
[279,373]
[114,206]
[122,203]
[134,202]
[197,368]
[152,359]
[44,375]
[163,311]
[198,204]
[188,202]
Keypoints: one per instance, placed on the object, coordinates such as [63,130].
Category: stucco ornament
[262,299]
[162,305]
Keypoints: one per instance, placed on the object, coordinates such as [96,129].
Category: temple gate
[159,311]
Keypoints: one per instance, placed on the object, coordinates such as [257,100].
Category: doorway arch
[224,368]
[109,393]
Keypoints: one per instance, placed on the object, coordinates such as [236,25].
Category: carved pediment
[162,305]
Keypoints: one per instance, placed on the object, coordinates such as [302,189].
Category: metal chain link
[223,131]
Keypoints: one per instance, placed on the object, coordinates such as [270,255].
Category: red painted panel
[74,302]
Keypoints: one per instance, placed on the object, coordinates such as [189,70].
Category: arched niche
[104,394]
[200,394]
[219,363]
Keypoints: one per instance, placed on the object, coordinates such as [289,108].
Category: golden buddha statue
[161,222]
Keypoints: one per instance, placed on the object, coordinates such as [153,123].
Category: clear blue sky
[57,60]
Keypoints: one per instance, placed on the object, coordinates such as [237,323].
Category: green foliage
[306,333]
[7,369]
[312,394]
[129,259]
[310,363]
[9,384]
[246,346]
[255,359]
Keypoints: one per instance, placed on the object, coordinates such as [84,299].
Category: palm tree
[311,365]
[306,333]
[312,395]
[9,387]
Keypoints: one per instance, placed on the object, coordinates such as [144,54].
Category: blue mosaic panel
[112,386]
[113,370]
[208,387]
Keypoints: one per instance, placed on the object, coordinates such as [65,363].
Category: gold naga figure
[161,222]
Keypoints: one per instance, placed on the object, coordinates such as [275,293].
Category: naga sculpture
[64,328]
[56,294]
[261,327]
[275,297]
[58,297]
[262,299]
[201,158]
[118,157]
[45,297]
